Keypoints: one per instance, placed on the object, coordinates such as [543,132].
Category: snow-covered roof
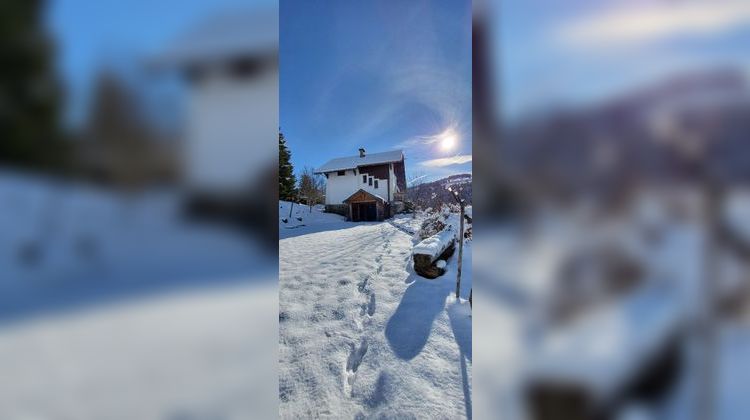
[226,36]
[351,162]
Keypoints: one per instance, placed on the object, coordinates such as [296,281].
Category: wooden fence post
[460,250]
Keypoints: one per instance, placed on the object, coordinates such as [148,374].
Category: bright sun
[448,141]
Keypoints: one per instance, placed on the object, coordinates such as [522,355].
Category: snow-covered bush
[448,215]
[468,220]
[591,275]
[431,225]
[436,244]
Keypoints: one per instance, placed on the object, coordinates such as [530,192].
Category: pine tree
[287,180]
[29,123]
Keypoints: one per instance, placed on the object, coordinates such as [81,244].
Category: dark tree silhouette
[29,121]
[287,181]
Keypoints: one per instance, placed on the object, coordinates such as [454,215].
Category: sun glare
[448,141]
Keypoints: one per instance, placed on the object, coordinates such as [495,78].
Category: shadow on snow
[409,327]
[299,230]
[106,285]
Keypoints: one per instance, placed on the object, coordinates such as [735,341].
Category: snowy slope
[361,335]
[94,246]
[304,220]
[128,310]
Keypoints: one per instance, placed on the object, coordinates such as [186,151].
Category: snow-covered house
[365,187]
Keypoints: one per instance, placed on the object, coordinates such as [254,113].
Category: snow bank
[601,351]
[408,223]
[436,244]
[304,220]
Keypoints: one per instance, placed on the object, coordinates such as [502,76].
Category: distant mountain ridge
[435,193]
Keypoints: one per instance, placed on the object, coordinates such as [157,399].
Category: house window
[244,67]
[341,173]
[370,179]
[376,183]
[364,179]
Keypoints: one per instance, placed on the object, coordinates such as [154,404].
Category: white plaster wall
[339,188]
[229,123]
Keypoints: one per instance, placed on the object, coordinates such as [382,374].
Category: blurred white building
[231,65]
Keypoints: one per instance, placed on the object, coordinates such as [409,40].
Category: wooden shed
[366,207]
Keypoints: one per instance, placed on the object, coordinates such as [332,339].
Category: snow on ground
[305,220]
[734,372]
[189,355]
[126,310]
[408,223]
[502,271]
[362,336]
[67,246]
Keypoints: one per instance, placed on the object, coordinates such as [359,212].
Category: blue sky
[378,74]
[122,33]
[578,51]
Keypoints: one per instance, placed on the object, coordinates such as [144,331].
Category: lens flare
[448,141]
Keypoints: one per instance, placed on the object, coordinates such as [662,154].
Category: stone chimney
[361,152]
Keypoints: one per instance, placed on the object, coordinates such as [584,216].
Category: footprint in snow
[356,354]
[371,305]
[362,286]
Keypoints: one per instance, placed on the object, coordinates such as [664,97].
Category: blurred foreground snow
[116,306]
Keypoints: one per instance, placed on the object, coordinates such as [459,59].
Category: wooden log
[424,264]
[653,378]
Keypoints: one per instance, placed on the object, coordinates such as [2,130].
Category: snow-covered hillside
[434,194]
[361,335]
